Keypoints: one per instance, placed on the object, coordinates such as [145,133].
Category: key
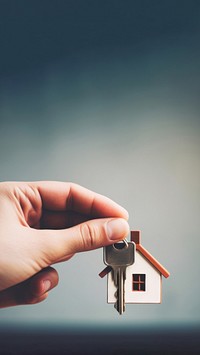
[118,256]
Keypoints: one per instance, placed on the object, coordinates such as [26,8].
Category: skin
[46,222]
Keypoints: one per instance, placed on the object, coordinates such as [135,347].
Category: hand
[42,223]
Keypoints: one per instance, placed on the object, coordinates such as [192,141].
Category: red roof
[135,237]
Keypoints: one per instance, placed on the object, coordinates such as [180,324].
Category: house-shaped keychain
[143,282]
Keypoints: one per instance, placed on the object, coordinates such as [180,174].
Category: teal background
[106,94]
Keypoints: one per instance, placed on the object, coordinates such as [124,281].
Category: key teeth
[116,306]
[116,303]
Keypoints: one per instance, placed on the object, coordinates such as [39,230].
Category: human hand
[42,223]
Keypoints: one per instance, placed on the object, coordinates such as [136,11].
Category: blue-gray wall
[106,94]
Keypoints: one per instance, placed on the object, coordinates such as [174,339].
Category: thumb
[86,236]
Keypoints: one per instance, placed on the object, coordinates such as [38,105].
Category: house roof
[136,238]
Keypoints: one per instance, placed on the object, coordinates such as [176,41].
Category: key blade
[119,294]
[119,305]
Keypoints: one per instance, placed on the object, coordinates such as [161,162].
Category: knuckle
[88,235]
[34,300]
[28,298]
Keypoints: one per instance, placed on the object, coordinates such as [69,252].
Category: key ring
[125,242]
[119,244]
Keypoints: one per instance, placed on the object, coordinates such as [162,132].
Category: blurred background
[106,94]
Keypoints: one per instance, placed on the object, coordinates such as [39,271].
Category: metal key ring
[125,242]
[120,242]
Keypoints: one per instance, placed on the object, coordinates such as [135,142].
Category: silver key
[119,256]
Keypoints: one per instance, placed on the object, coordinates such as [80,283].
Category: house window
[139,282]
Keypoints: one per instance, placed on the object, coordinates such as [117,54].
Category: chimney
[135,236]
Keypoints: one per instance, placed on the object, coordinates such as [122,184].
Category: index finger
[63,196]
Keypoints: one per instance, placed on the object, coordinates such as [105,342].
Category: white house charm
[143,283]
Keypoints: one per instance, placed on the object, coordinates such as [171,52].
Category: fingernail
[47,285]
[117,229]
